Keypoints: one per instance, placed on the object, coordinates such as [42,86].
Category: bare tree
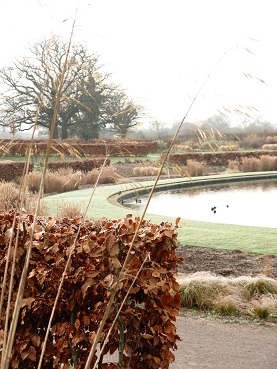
[121,113]
[34,81]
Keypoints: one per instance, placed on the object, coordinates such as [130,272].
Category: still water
[249,203]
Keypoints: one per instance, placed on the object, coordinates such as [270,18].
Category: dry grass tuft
[62,180]
[228,296]
[147,171]
[108,175]
[69,210]
[228,147]
[233,166]
[195,168]
[227,305]
[264,163]
[268,163]
[269,147]
[264,307]
[9,193]
[182,148]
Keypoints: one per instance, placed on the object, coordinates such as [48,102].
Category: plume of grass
[9,330]
[195,168]
[69,209]
[268,162]
[233,166]
[59,181]
[121,272]
[9,194]
[8,342]
[142,171]
[267,266]
[181,148]
[228,147]
[264,163]
[269,147]
[108,175]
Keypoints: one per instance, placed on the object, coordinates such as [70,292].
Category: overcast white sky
[161,51]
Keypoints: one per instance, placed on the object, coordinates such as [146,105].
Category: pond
[252,203]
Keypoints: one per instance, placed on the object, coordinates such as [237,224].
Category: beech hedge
[10,170]
[216,158]
[84,165]
[145,331]
[78,148]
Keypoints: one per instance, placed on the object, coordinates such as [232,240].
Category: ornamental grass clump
[67,209]
[229,296]
[54,182]
[227,305]
[268,163]
[108,175]
[195,168]
[142,171]
[233,166]
[182,148]
[265,307]
[9,194]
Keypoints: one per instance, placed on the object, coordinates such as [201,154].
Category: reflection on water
[249,203]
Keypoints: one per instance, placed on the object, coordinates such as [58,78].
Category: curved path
[195,233]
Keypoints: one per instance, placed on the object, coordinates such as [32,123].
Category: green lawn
[251,239]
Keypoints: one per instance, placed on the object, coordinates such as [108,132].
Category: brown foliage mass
[147,316]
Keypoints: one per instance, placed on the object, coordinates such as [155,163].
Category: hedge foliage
[78,148]
[10,170]
[216,158]
[145,332]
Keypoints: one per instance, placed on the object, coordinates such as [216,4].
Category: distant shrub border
[10,170]
[216,158]
[72,148]
[84,166]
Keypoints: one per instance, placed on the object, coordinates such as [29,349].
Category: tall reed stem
[110,304]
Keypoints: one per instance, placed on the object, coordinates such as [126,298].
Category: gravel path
[209,342]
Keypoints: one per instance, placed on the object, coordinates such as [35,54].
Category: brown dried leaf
[78,338]
[109,281]
[177,221]
[38,236]
[35,339]
[97,252]
[27,301]
[115,263]
[59,329]
[128,350]
[32,353]
[113,248]
[86,320]
[88,283]
[15,362]
[8,235]
[147,336]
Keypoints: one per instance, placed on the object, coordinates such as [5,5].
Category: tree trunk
[64,134]
[56,132]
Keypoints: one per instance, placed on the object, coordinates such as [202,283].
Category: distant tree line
[214,126]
